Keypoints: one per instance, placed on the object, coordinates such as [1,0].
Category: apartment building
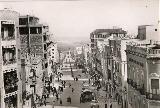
[52,58]
[143,75]
[101,34]
[34,38]
[10,77]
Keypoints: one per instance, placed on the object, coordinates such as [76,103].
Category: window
[23,21]
[46,65]
[45,56]
[23,30]
[44,37]
[92,40]
[45,46]
[154,83]
[49,53]
[35,30]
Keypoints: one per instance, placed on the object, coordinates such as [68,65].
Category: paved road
[75,96]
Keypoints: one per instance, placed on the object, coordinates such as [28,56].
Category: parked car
[86,96]
[94,104]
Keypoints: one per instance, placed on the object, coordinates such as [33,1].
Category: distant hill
[66,45]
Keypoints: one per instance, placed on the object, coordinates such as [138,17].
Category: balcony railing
[8,38]
[11,61]
[141,90]
[11,88]
[129,81]
[152,96]
[134,85]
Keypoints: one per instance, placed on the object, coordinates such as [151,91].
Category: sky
[74,20]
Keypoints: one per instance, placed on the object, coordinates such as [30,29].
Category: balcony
[10,61]
[7,32]
[134,85]
[10,82]
[152,96]
[11,88]
[154,53]
[9,55]
[141,89]
[129,81]
[8,38]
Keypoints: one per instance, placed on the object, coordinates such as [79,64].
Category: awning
[9,70]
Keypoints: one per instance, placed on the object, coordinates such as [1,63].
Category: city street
[75,96]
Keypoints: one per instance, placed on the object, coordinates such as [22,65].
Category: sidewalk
[47,106]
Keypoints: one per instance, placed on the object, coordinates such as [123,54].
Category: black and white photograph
[79,54]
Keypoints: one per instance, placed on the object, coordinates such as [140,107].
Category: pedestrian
[57,96]
[69,85]
[80,99]
[59,88]
[64,83]
[60,102]
[69,99]
[45,102]
[58,79]
[76,79]
[72,90]
[62,89]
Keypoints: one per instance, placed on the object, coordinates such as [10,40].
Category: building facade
[68,62]
[10,77]
[143,75]
[53,58]
[34,39]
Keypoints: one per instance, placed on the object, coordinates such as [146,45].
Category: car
[94,104]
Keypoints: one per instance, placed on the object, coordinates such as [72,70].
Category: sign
[8,22]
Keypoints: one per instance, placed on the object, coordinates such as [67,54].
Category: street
[75,96]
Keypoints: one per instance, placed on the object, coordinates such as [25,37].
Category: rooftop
[110,31]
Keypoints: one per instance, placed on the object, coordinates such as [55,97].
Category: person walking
[57,96]
[64,84]
[69,99]
[60,102]
[76,79]
[72,90]
[69,85]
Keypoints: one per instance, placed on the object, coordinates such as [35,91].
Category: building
[68,62]
[10,77]
[148,32]
[142,64]
[143,75]
[101,34]
[99,38]
[118,67]
[53,58]
[34,39]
